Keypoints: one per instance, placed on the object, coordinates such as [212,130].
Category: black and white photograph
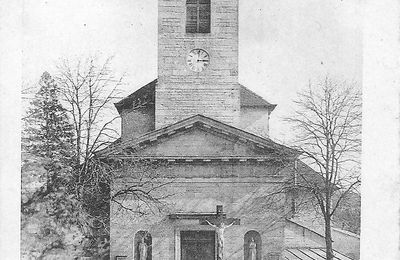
[204,130]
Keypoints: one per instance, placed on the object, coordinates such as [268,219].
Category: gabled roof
[250,99]
[146,95]
[196,121]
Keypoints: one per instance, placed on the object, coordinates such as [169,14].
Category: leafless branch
[327,123]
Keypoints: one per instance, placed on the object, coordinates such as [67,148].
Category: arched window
[252,245]
[198,16]
[142,245]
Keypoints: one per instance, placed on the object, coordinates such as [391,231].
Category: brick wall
[182,92]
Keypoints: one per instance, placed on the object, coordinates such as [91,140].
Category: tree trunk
[328,239]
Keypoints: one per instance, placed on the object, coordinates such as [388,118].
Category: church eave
[145,96]
[270,107]
[199,159]
[197,216]
[249,99]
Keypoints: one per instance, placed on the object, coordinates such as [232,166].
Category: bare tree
[328,126]
[136,184]
[89,91]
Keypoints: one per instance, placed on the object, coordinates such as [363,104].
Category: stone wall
[135,122]
[299,236]
[255,120]
[200,142]
[181,92]
[346,243]
[244,199]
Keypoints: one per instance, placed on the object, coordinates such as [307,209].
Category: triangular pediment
[199,141]
[198,136]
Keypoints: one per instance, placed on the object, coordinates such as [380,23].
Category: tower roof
[250,99]
[146,96]
[143,96]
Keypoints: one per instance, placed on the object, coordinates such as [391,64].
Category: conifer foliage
[48,132]
[49,212]
[66,194]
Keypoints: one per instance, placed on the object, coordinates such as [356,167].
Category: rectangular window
[197,245]
[198,16]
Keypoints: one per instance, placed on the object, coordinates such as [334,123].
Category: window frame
[198,6]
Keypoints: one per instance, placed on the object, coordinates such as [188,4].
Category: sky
[282,44]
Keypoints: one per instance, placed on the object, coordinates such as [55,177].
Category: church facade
[218,182]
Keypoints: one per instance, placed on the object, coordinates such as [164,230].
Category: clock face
[198,60]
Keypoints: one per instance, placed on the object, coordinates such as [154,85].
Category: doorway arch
[252,234]
[148,241]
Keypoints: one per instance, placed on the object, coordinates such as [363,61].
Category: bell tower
[197,61]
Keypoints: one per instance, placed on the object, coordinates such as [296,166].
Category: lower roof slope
[307,253]
[146,95]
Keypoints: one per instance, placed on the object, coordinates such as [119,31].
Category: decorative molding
[199,216]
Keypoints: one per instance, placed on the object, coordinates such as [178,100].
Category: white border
[380,235]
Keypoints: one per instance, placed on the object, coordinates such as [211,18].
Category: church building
[215,176]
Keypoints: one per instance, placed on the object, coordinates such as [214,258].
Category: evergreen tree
[47,132]
[49,219]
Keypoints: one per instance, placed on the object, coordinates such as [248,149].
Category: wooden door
[197,245]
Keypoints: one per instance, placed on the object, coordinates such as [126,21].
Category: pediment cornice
[132,146]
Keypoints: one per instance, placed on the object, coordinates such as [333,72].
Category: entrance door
[197,245]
